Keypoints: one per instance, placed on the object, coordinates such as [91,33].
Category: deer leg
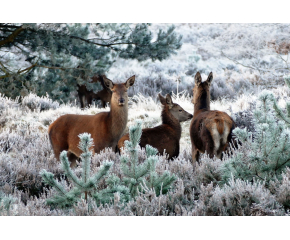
[103,103]
[89,100]
[82,100]
[195,155]
[210,151]
[73,159]
[58,147]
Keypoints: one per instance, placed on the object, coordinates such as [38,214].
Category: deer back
[210,130]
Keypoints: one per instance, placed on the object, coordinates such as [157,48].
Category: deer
[167,135]
[106,128]
[210,130]
[87,96]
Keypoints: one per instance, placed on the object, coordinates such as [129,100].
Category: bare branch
[26,70]
[12,36]
[258,69]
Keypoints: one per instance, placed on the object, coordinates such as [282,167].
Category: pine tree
[138,176]
[160,183]
[54,58]
[264,154]
[82,187]
[279,111]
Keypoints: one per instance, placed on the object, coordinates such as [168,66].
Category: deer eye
[180,110]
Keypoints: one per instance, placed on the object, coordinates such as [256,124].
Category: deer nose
[190,116]
[121,101]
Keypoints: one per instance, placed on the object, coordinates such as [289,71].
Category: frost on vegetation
[6,202]
[137,178]
[33,102]
[256,181]
[237,198]
[6,102]
[140,177]
[82,187]
[264,153]
[245,119]
[281,189]
[217,48]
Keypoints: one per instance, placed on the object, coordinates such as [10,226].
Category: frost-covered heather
[25,150]
[244,59]
[217,48]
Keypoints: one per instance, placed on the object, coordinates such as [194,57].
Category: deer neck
[118,118]
[202,103]
[169,119]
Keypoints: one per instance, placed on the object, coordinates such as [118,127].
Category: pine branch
[26,70]
[68,172]
[49,179]
[101,173]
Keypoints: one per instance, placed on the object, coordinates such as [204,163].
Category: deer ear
[209,78]
[130,81]
[162,99]
[169,101]
[197,79]
[108,83]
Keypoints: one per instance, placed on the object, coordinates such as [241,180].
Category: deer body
[87,96]
[210,130]
[106,128]
[167,135]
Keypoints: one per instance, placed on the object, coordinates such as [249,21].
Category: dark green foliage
[141,47]
[54,58]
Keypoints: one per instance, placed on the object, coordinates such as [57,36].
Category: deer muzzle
[121,101]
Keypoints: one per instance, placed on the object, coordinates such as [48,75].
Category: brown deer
[87,96]
[167,135]
[106,128]
[210,130]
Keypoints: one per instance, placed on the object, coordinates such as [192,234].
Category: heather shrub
[6,102]
[172,204]
[220,88]
[237,198]
[281,189]
[33,102]
[23,153]
[201,190]
[244,119]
